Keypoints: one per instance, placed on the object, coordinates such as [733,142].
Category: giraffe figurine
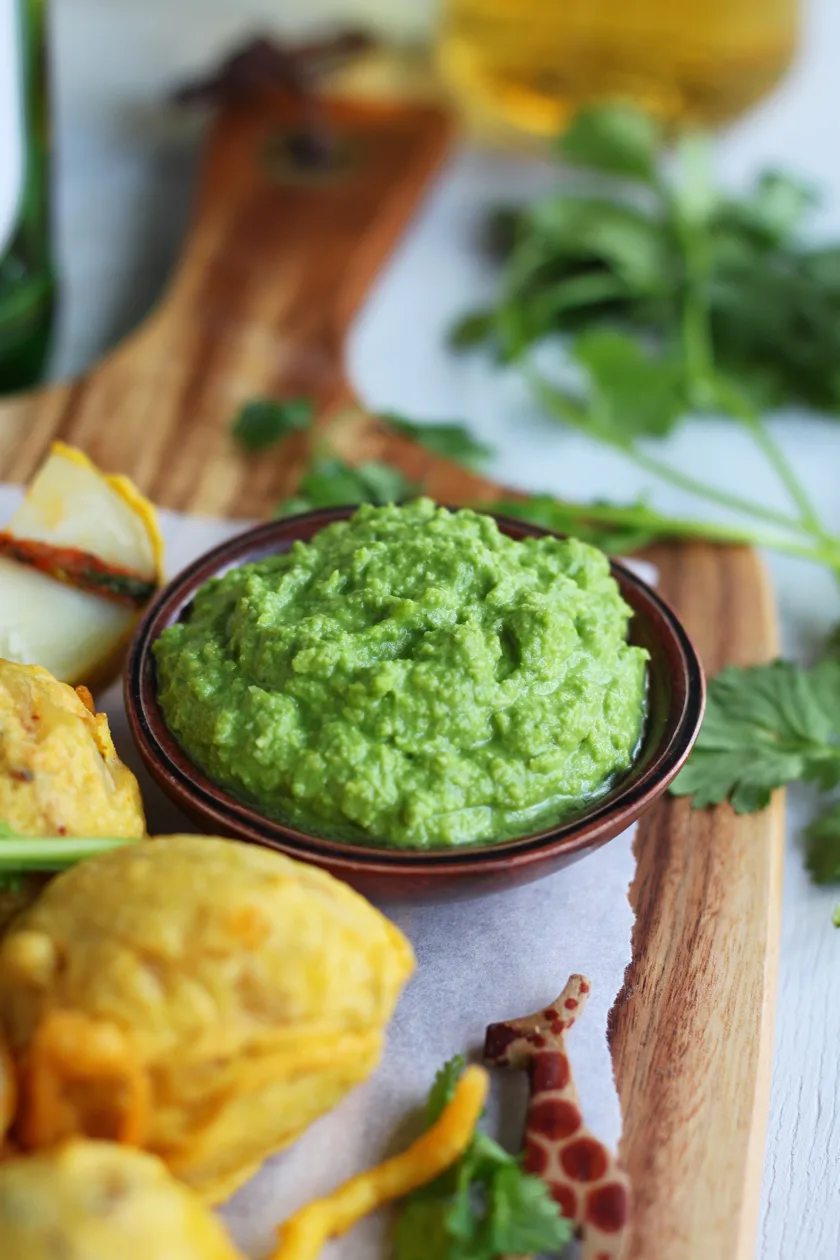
[584,1177]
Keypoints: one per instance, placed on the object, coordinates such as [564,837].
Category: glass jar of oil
[526,65]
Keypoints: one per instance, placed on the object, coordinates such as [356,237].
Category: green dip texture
[411,677]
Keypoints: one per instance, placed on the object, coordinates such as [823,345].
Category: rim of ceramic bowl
[669,736]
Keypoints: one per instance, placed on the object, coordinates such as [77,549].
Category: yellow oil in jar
[527,65]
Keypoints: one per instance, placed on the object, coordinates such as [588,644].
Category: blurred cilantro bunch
[662,251]
[672,298]
[485,1206]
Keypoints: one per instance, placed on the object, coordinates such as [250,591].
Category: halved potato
[82,542]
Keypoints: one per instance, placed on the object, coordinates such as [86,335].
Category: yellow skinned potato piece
[304,1234]
[247,991]
[59,770]
[103,1202]
[79,636]
[76,635]
[71,503]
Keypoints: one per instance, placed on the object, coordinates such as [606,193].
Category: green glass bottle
[27,281]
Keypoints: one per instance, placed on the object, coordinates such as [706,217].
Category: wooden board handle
[286,255]
[277,263]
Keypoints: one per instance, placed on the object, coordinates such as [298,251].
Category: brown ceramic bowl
[676,702]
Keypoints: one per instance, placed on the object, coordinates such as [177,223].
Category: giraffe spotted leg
[584,1177]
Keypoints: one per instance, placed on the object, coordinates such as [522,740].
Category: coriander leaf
[502,228]
[466,1211]
[421,1232]
[331,482]
[823,853]
[633,393]
[772,211]
[381,483]
[568,301]
[776,315]
[615,138]
[770,304]
[825,680]
[765,726]
[452,441]
[524,1219]
[576,230]
[483,1208]
[471,330]
[443,1088]
[498,1209]
[781,203]
[485,1156]
[263,422]
[578,257]
[297,505]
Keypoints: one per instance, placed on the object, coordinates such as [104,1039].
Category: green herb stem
[688,210]
[696,347]
[699,356]
[737,407]
[695,327]
[683,481]
[776,458]
[684,527]
[52,853]
[575,414]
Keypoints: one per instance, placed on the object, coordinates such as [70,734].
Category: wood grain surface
[274,269]
[692,1032]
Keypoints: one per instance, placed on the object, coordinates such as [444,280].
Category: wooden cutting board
[274,269]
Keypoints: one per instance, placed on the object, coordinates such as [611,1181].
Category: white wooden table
[124,178]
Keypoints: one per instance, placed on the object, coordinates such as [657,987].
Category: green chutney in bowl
[411,677]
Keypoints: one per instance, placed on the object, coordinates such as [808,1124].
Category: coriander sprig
[484,1208]
[767,726]
[330,481]
[671,298]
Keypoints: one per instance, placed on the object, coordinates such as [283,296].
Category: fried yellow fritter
[200,997]
[59,771]
[98,1201]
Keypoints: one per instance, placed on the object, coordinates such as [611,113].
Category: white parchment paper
[496,957]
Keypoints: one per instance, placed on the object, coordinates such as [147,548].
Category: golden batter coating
[59,771]
[200,997]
